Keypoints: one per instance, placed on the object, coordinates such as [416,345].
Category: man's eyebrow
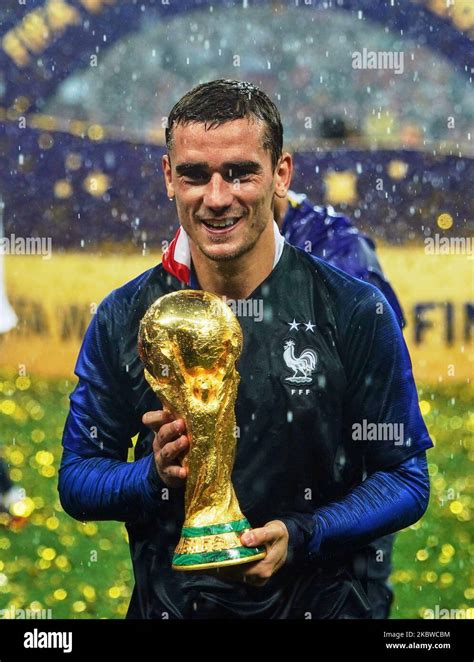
[228,166]
[243,165]
[183,168]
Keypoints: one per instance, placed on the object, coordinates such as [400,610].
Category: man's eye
[195,179]
[239,175]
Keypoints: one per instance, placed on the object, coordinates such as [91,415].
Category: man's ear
[283,174]
[168,173]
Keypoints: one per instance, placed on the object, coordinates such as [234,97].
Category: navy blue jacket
[297,458]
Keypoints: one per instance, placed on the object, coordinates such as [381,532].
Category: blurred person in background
[331,236]
[10,494]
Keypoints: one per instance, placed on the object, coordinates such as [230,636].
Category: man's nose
[218,194]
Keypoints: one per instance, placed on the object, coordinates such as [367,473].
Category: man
[8,318]
[300,468]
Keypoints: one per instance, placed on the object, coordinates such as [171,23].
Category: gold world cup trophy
[189,341]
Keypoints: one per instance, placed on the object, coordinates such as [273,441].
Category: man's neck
[236,279]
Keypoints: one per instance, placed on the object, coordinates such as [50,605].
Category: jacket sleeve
[385,502]
[95,479]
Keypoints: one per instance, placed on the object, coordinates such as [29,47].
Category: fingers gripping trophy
[189,342]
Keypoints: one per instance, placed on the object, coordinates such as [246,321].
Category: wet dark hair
[220,101]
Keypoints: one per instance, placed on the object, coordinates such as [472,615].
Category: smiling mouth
[222,224]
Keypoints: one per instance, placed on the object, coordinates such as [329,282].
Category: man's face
[223,182]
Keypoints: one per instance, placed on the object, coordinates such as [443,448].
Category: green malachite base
[216,529]
[216,558]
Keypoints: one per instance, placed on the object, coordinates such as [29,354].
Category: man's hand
[274,536]
[170,445]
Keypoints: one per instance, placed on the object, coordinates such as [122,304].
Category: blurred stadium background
[85,88]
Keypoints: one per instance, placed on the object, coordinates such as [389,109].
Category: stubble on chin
[238,252]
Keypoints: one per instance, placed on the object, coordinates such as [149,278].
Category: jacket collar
[177,257]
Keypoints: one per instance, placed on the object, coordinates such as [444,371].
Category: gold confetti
[425,407]
[445,221]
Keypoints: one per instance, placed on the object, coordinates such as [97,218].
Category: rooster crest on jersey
[302,365]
